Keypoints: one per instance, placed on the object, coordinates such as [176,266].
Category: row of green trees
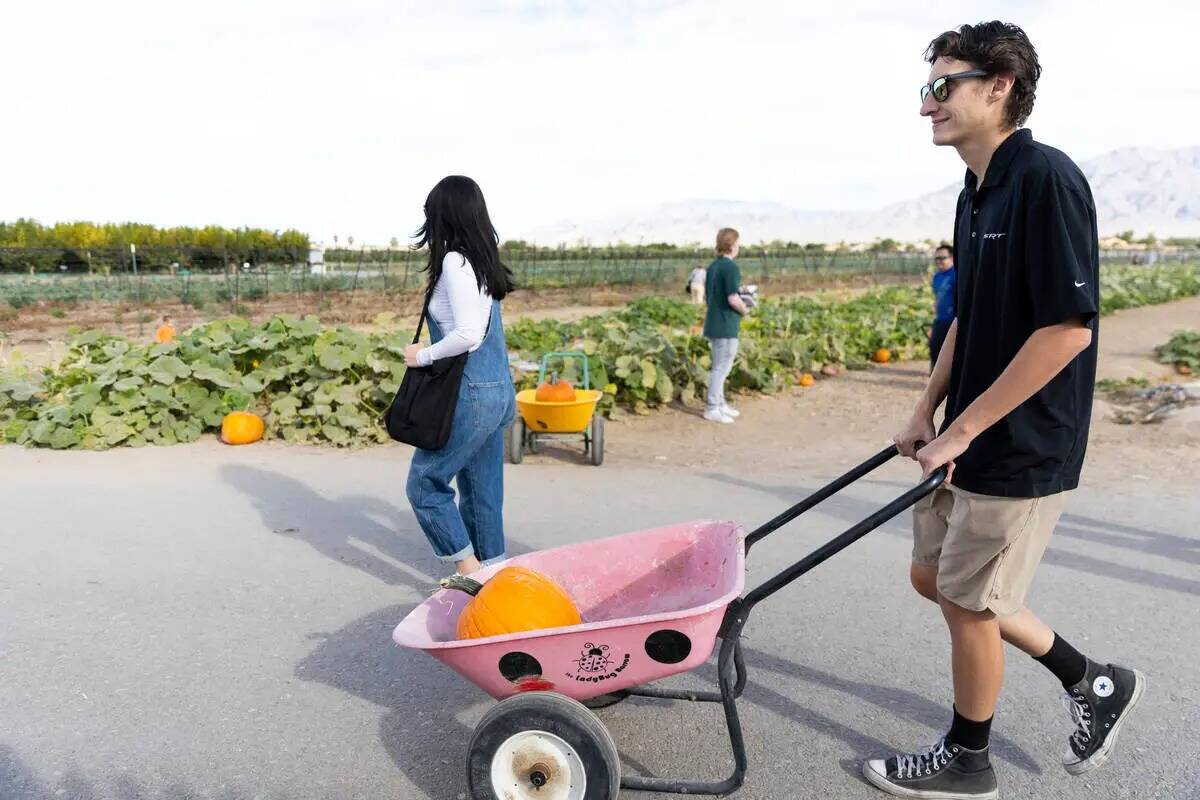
[112,235]
[1150,240]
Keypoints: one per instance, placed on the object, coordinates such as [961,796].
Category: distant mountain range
[1143,189]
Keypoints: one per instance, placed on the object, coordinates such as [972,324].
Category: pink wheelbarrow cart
[654,604]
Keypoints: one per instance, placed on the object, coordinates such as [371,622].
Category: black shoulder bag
[422,413]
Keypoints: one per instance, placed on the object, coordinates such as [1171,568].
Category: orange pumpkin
[882,356]
[165,334]
[806,379]
[555,391]
[241,427]
[515,599]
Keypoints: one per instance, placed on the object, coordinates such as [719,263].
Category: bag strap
[424,312]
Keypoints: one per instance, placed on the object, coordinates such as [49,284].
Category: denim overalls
[474,455]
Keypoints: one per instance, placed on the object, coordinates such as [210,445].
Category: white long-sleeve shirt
[460,308]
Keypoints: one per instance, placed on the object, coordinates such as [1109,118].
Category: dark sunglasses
[941,258]
[940,87]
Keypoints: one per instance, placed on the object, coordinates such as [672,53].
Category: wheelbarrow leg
[731,675]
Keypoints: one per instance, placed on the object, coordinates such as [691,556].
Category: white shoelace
[1081,718]
[918,764]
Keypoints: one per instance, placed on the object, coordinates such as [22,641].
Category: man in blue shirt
[945,283]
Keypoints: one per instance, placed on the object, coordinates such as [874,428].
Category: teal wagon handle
[587,383]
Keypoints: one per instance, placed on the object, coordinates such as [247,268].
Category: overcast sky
[338,117]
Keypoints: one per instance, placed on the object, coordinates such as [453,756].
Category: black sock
[1068,664]
[968,733]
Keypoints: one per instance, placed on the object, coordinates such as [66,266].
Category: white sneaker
[730,411]
[718,416]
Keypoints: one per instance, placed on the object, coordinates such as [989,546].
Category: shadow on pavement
[18,782]
[847,508]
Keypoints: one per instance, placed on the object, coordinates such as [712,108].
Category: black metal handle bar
[739,609]
[825,492]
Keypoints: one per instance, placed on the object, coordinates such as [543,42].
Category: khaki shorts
[985,548]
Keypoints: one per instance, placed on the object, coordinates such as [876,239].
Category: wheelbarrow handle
[587,383]
[824,493]
[739,609]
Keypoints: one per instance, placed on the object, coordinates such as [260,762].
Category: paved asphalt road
[208,622]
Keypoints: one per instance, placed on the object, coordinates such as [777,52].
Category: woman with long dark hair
[466,283]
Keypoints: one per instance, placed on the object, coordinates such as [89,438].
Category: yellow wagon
[537,420]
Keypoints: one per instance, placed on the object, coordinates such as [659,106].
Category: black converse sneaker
[1099,705]
[946,771]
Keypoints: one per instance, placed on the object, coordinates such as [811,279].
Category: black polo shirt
[1027,253]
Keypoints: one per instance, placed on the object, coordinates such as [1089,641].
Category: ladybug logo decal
[594,658]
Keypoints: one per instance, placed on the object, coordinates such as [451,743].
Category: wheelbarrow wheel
[514,440]
[596,443]
[541,744]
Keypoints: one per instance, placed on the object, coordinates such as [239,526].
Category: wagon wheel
[596,444]
[605,700]
[532,444]
[542,745]
[514,440]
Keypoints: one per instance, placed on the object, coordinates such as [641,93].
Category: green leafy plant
[652,353]
[313,384]
[1182,350]
[1133,286]
[1110,385]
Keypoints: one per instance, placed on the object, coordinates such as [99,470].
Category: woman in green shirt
[722,322]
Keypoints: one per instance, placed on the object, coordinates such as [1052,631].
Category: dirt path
[1128,338]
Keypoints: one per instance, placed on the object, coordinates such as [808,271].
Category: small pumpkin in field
[241,427]
[806,379]
[515,599]
[1183,369]
[165,333]
[881,356]
[555,391]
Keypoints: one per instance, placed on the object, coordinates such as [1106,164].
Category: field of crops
[321,384]
[330,385]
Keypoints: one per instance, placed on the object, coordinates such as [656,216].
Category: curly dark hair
[996,47]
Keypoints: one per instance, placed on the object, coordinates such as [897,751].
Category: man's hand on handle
[941,452]
[919,430]
[920,442]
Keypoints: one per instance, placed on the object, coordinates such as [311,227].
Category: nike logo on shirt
[1080,283]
